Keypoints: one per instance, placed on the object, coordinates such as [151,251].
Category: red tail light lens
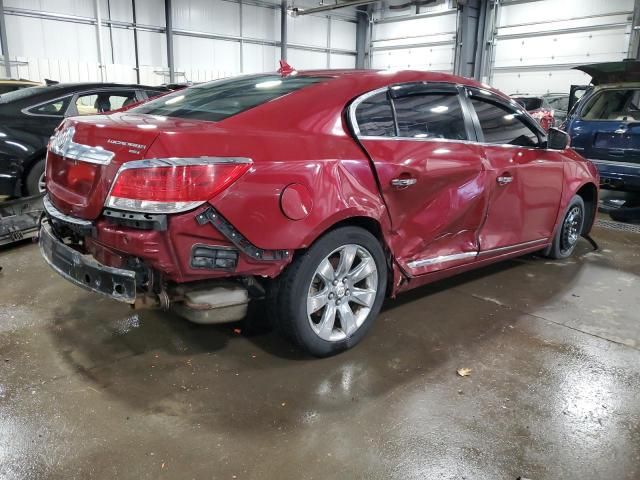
[173,185]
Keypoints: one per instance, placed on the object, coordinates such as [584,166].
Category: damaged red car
[321,192]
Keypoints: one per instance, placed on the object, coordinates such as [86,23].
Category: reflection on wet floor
[92,389]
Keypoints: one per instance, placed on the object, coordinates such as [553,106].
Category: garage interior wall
[530,46]
[414,37]
[57,39]
[537,42]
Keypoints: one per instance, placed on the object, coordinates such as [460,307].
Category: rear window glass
[529,103]
[22,93]
[559,103]
[613,105]
[218,100]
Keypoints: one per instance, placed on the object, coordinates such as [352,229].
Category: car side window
[613,104]
[53,108]
[375,117]
[430,115]
[503,126]
[101,102]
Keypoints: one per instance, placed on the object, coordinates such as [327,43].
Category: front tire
[569,231]
[328,298]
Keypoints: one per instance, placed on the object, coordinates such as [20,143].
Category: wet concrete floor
[91,389]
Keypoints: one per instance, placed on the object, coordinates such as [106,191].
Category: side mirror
[557,139]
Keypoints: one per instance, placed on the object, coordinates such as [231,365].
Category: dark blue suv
[604,125]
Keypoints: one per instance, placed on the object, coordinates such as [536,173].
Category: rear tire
[34,184]
[569,231]
[328,298]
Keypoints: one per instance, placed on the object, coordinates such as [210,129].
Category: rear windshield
[529,103]
[623,104]
[559,103]
[22,94]
[221,99]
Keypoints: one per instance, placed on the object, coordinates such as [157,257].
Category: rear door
[430,172]
[608,126]
[526,180]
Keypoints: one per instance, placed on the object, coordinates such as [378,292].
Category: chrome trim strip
[62,144]
[451,140]
[459,256]
[441,259]
[57,214]
[517,245]
[615,164]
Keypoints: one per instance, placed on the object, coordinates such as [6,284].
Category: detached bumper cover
[84,271]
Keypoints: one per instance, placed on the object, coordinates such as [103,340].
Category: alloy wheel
[342,292]
[571,228]
[41,183]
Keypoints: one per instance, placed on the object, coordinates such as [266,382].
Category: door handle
[403,182]
[505,179]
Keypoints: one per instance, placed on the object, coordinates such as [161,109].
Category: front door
[526,180]
[431,175]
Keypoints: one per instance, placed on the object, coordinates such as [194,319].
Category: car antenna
[286,69]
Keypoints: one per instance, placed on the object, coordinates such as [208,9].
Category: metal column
[169,32]
[241,37]
[3,39]
[135,40]
[283,30]
[470,38]
[101,65]
[634,39]
[362,30]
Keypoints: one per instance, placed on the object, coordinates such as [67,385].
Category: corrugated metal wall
[422,39]
[538,42]
[212,39]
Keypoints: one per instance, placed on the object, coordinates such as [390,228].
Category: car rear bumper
[82,270]
[618,175]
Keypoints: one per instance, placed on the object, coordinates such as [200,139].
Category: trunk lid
[612,72]
[79,187]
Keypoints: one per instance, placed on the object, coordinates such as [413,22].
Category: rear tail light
[174,184]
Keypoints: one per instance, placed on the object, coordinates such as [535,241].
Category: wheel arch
[377,229]
[589,194]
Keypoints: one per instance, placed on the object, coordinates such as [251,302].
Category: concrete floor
[90,389]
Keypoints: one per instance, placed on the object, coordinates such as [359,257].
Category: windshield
[559,103]
[221,99]
[22,94]
[529,103]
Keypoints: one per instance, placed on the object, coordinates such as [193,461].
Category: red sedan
[321,192]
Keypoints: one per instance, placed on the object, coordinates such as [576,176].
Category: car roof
[85,85]
[369,79]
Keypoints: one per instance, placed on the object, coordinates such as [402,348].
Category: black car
[29,116]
